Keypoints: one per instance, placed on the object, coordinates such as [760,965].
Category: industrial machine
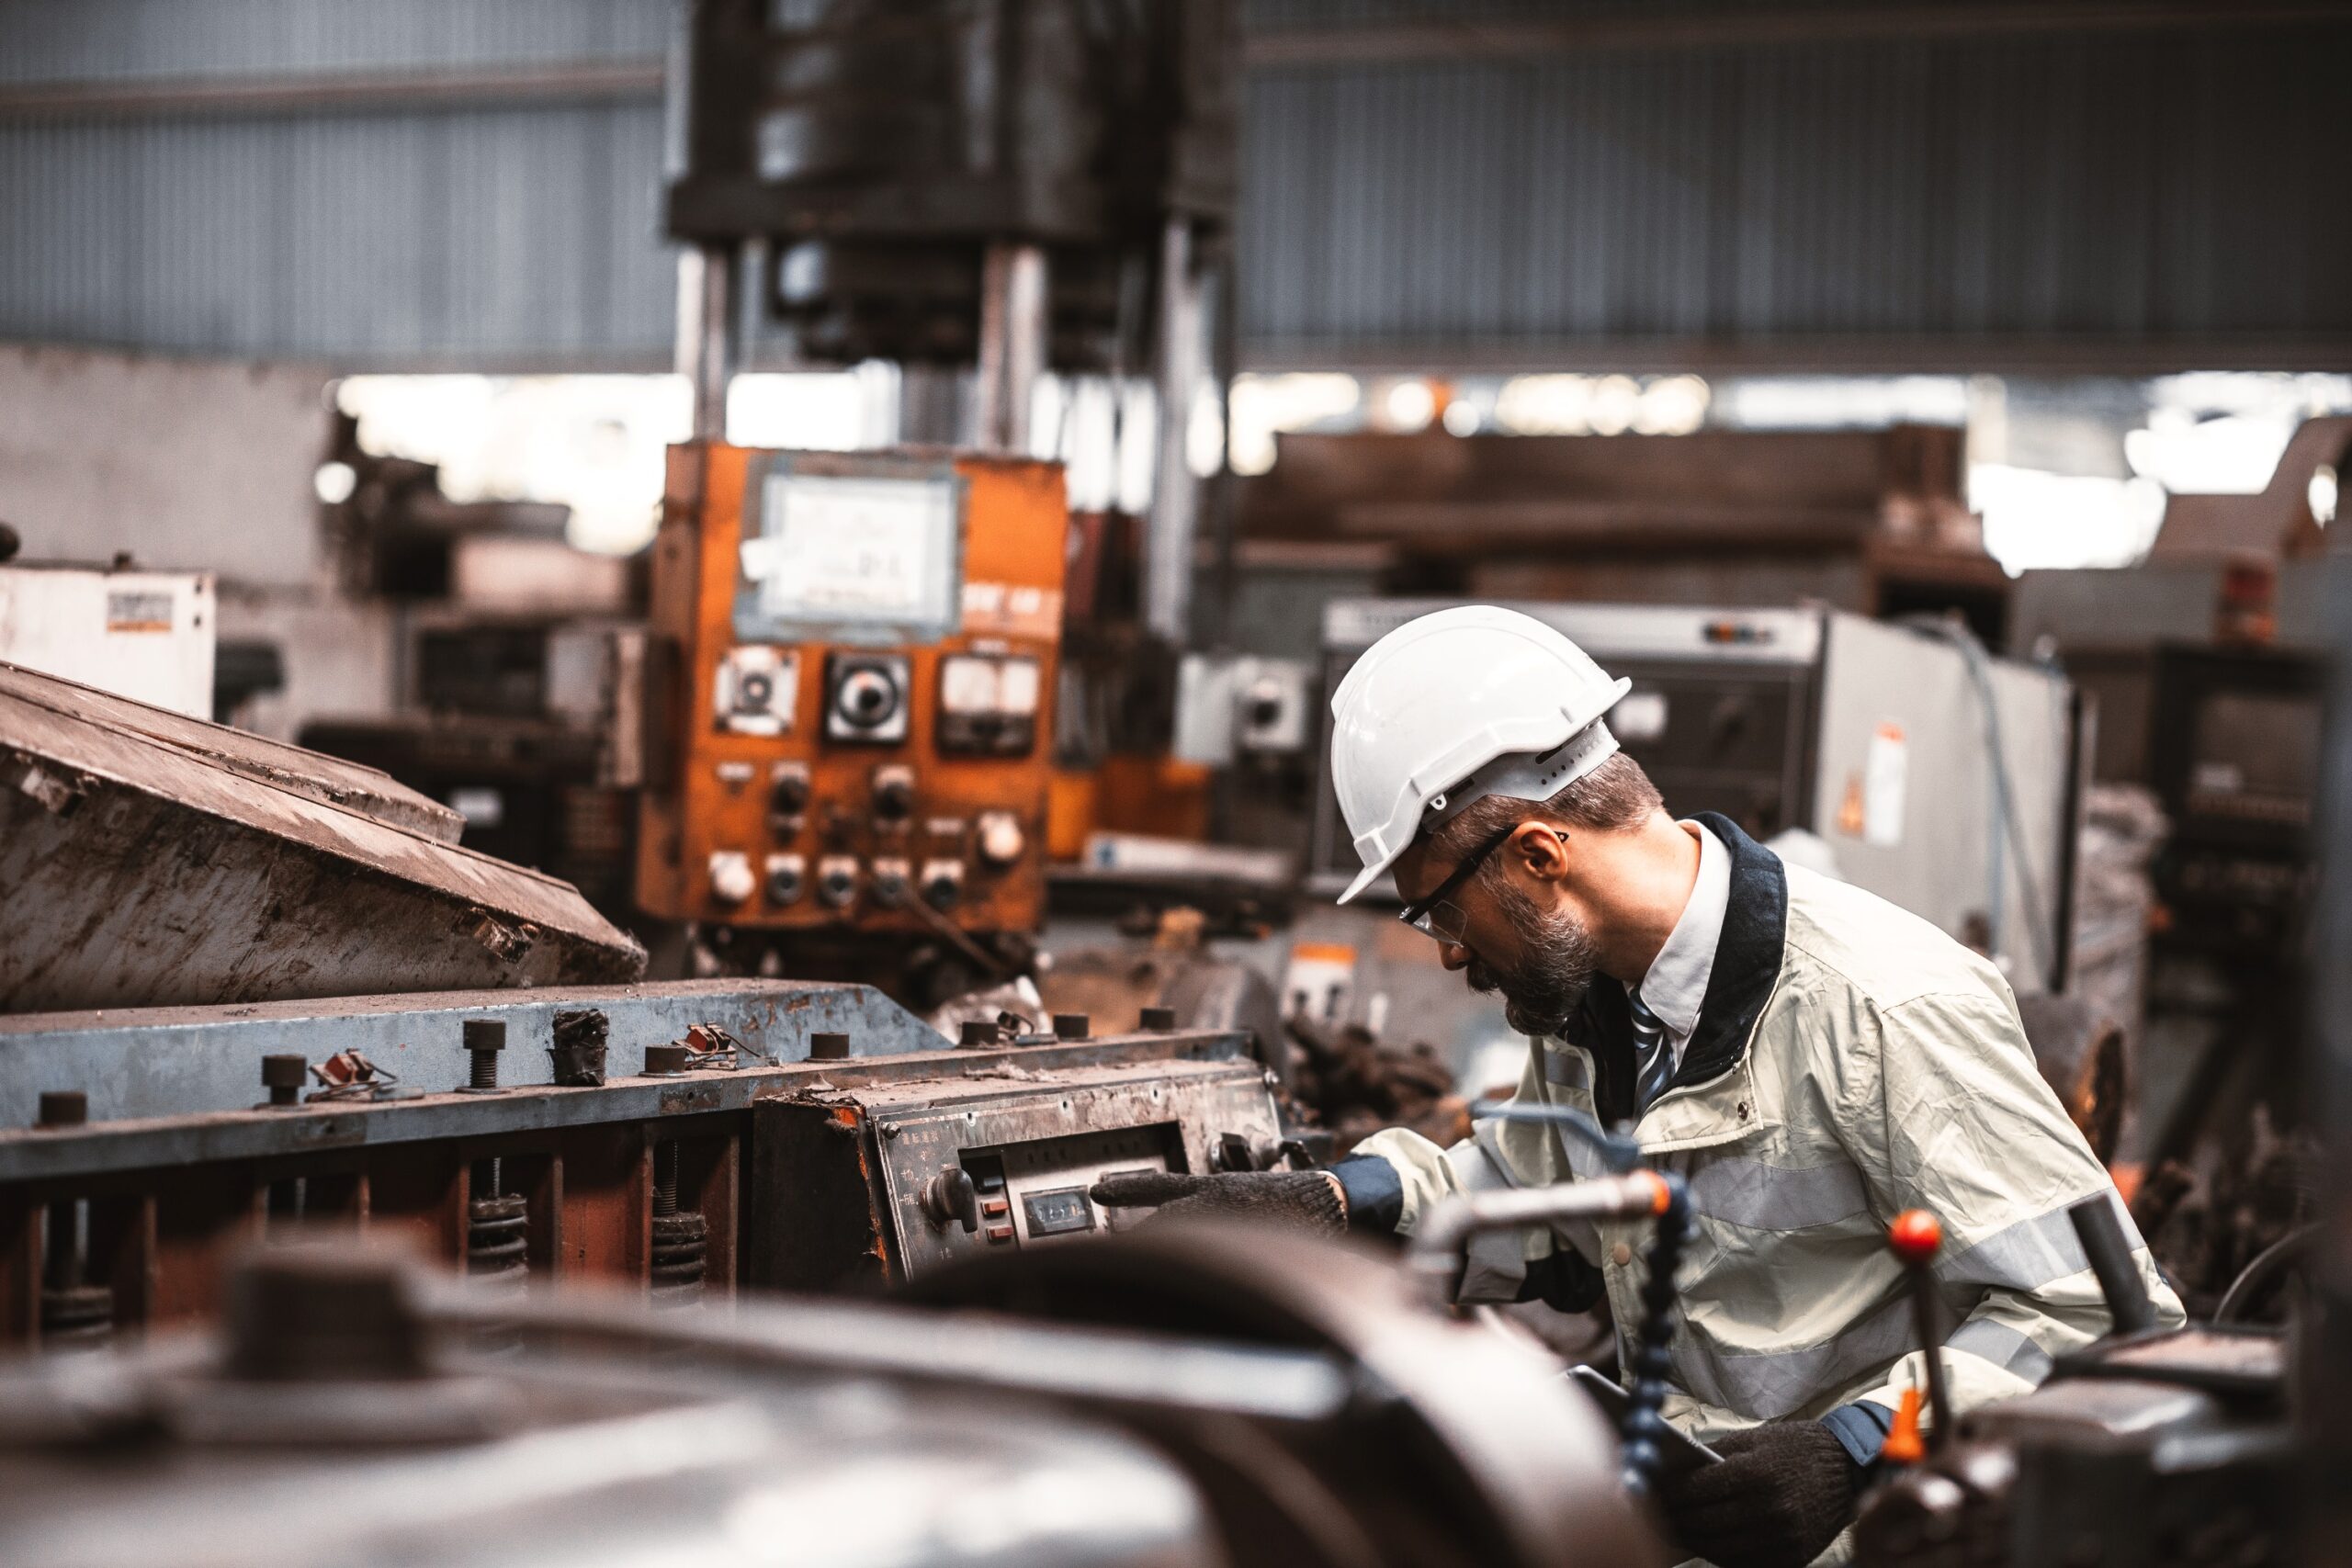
[689,1136]
[847,699]
[1939,778]
[153,858]
[1293,1408]
[2149,1448]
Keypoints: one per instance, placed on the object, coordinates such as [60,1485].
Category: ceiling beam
[336,92]
[1652,27]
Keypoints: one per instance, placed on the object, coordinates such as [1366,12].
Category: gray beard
[1541,992]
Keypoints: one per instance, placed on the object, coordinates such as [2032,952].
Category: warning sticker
[1885,777]
[135,611]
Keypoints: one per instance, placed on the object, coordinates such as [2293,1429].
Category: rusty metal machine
[849,702]
[149,857]
[350,1412]
[692,1136]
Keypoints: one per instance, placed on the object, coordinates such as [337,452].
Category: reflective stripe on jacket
[1851,1062]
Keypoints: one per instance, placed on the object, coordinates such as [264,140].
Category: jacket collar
[1748,957]
[1748,964]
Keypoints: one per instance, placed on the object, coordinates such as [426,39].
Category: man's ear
[1541,850]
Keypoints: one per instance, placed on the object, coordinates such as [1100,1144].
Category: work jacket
[1850,1061]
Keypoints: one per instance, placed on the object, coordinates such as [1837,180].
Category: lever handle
[950,1196]
[2101,1234]
[1916,1236]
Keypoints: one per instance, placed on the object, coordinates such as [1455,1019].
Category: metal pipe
[1436,1246]
[1013,322]
[706,349]
[1175,494]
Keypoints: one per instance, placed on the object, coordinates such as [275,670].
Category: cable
[2004,818]
[2288,1249]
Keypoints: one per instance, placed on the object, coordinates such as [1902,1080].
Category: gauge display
[1058,1212]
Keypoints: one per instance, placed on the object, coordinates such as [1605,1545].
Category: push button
[1000,1234]
[995,1208]
[1620,1254]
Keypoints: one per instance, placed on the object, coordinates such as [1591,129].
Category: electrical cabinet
[848,690]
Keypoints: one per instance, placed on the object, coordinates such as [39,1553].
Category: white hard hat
[1454,706]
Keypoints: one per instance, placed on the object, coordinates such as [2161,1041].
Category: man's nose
[1454,955]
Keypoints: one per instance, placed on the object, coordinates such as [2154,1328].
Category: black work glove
[1299,1200]
[1780,1497]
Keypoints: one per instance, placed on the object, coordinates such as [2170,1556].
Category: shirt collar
[1676,984]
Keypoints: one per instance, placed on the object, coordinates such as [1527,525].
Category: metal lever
[2101,1234]
[1637,1194]
[1618,1150]
[1915,1236]
[950,1195]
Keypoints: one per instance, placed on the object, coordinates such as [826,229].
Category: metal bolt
[63,1108]
[1072,1026]
[828,1047]
[283,1077]
[485,1038]
[1157,1018]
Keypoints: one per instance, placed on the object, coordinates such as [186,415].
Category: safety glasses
[1434,913]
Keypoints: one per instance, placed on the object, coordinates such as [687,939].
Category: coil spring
[681,1239]
[496,1242]
[75,1317]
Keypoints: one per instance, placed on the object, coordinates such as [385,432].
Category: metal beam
[1957,354]
[1644,27]
[341,91]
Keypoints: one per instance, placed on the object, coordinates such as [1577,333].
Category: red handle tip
[1916,1235]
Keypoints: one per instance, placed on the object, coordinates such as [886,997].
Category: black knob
[789,795]
[894,798]
[942,891]
[889,889]
[283,1077]
[951,1197]
[785,883]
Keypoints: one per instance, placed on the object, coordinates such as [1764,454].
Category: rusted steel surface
[147,1062]
[330,780]
[152,863]
[164,1198]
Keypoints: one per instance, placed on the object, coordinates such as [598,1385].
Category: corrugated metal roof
[96,40]
[2096,190]
[2021,194]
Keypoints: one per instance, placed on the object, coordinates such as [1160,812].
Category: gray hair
[1612,798]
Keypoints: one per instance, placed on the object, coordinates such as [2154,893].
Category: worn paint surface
[149,863]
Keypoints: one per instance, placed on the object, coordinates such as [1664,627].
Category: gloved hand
[1300,1200]
[1780,1497]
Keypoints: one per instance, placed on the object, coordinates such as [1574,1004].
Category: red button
[995,1208]
[999,1235]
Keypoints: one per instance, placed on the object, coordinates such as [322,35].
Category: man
[1810,1058]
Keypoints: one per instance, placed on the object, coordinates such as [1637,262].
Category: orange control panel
[850,686]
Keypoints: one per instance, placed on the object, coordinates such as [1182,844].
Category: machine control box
[849,670]
[884,1183]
